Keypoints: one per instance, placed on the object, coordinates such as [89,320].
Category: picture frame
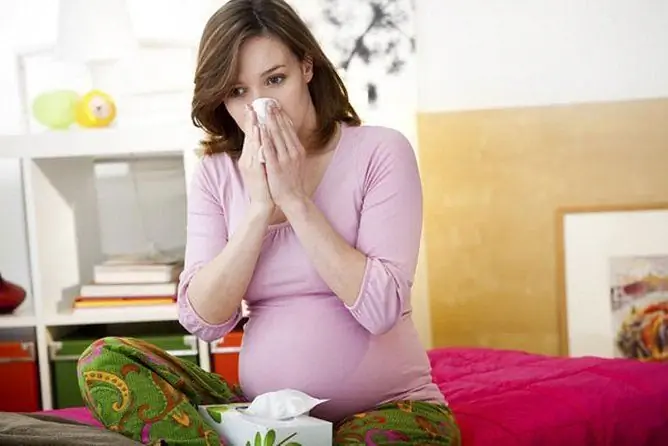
[612,280]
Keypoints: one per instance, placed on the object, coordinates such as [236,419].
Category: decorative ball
[55,109]
[95,109]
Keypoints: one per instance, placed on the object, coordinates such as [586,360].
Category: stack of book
[131,281]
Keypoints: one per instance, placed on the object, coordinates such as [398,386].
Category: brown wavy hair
[217,69]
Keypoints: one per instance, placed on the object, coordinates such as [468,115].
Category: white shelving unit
[103,142]
[63,237]
[18,320]
[55,232]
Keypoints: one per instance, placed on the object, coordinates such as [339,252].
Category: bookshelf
[53,228]
[20,319]
[151,140]
[62,238]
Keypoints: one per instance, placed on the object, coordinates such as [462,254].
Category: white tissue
[282,404]
[260,106]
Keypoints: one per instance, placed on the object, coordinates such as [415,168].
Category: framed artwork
[613,281]
[371,43]
[372,46]
[639,303]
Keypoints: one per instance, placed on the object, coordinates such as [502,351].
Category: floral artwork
[368,41]
[639,304]
[383,37]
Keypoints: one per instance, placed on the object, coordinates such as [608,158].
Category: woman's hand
[252,170]
[284,156]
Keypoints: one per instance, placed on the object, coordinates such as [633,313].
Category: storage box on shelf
[65,350]
[225,356]
[19,387]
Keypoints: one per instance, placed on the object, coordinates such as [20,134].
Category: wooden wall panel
[493,182]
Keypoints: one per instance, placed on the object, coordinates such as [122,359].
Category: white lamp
[94,30]
[96,33]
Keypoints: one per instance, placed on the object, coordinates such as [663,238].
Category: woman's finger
[276,134]
[267,149]
[257,152]
[253,121]
[250,133]
[294,147]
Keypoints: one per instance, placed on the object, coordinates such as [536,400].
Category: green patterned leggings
[135,388]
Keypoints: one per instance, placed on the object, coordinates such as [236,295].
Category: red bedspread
[506,398]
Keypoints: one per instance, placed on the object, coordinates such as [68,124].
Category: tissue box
[238,428]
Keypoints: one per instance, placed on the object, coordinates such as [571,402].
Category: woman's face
[267,68]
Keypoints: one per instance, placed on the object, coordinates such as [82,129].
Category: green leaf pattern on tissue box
[270,440]
[216,413]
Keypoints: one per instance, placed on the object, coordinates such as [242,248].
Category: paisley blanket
[511,398]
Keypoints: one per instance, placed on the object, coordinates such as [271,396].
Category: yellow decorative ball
[95,109]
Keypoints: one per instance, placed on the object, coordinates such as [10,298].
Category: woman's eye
[236,92]
[276,79]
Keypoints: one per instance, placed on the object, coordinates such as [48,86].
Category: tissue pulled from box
[283,404]
[260,106]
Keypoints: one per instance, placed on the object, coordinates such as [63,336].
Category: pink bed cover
[508,398]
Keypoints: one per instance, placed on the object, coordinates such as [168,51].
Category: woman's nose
[260,103]
[257,95]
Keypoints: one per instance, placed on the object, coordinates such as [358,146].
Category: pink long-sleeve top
[299,334]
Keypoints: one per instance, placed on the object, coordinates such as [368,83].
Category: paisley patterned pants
[135,388]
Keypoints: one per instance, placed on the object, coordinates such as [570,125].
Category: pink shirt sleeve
[389,234]
[205,239]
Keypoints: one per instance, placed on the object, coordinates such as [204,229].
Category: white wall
[182,21]
[167,74]
[141,205]
[21,28]
[476,54]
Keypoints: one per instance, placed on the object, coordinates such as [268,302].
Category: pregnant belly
[313,345]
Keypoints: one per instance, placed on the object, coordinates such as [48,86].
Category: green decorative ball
[55,109]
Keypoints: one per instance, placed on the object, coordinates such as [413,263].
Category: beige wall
[524,109]
[494,181]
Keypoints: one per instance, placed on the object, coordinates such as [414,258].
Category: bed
[511,398]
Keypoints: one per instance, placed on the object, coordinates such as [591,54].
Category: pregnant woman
[314,220]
